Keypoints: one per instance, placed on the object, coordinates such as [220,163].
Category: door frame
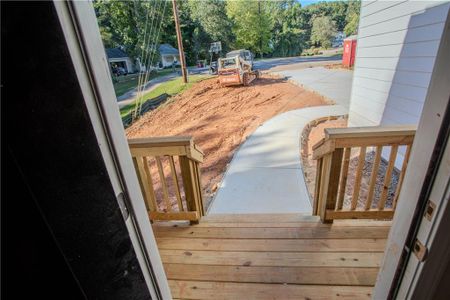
[409,222]
[82,35]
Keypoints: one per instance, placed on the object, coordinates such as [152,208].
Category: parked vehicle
[119,71]
[237,68]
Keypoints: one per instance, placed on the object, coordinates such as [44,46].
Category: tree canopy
[323,30]
[270,28]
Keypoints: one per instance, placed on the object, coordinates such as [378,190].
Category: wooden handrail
[363,136]
[154,158]
[333,154]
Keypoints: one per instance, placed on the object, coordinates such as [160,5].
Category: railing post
[192,189]
[331,170]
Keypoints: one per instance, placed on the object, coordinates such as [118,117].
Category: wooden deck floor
[271,257]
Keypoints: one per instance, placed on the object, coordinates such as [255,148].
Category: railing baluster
[198,185]
[163,183]
[189,188]
[357,185]
[373,177]
[151,189]
[343,181]
[143,180]
[387,178]
[318,184]
[175,182]
[402,175]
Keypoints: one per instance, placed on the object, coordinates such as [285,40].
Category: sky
[308,2]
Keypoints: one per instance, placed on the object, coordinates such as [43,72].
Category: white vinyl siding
[396,49]
[397,46]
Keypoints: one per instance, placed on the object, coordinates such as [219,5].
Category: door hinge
[420,251]
[430,210]
[123,206]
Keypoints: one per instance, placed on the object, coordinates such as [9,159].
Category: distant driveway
[335,84]
[267,64]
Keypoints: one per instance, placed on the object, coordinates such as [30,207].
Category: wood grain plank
[357,184]
[344,174]
[252,218]
[162,178]
[333,184]
[145,182]
[373,177]
[273,233]
[278,245]
[289,275]
[183,215]
[388,177]
[337,223]
[317,186]
[255,291]
[173,172]
[273,259]
[402,175]
[362,214]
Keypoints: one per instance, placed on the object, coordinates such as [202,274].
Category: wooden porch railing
[160,163]
[333,154]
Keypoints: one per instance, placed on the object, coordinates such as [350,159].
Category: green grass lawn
[171,87]
[123,84]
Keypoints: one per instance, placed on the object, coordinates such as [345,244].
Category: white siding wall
[397,46]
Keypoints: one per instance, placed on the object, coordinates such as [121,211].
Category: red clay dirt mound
[221,118]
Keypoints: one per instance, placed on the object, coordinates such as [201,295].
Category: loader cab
[246,55]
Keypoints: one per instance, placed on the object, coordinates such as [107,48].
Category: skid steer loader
[237,68]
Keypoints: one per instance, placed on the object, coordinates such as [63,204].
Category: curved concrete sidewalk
[265,174]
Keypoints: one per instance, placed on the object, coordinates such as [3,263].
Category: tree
[352,19]
[135,25]
[288,35]
[252,24]
[212,16]
[323,31]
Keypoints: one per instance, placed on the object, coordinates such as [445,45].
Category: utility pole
[260,33]
[180,41]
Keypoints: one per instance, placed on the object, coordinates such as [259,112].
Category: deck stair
[271,256]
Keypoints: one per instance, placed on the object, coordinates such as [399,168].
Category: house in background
[119,58]
[395,57]
[169,55]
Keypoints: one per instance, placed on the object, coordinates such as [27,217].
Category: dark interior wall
[64,234]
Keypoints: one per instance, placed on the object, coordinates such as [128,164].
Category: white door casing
[81,31]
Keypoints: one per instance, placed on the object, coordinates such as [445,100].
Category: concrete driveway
[271,63]
[335,84]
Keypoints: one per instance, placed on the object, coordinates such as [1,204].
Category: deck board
[295,275]
[256,291]
[267,259]
[274,233]
[230,257]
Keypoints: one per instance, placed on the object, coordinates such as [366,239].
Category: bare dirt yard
[221,118]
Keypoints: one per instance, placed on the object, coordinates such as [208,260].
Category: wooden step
[292,275]
[273,233]
[273,245]
[298,224]
[250,291]
[272,259]
[265,256]
[254,218]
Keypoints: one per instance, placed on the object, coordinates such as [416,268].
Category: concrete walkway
[265,175]
[335,84]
